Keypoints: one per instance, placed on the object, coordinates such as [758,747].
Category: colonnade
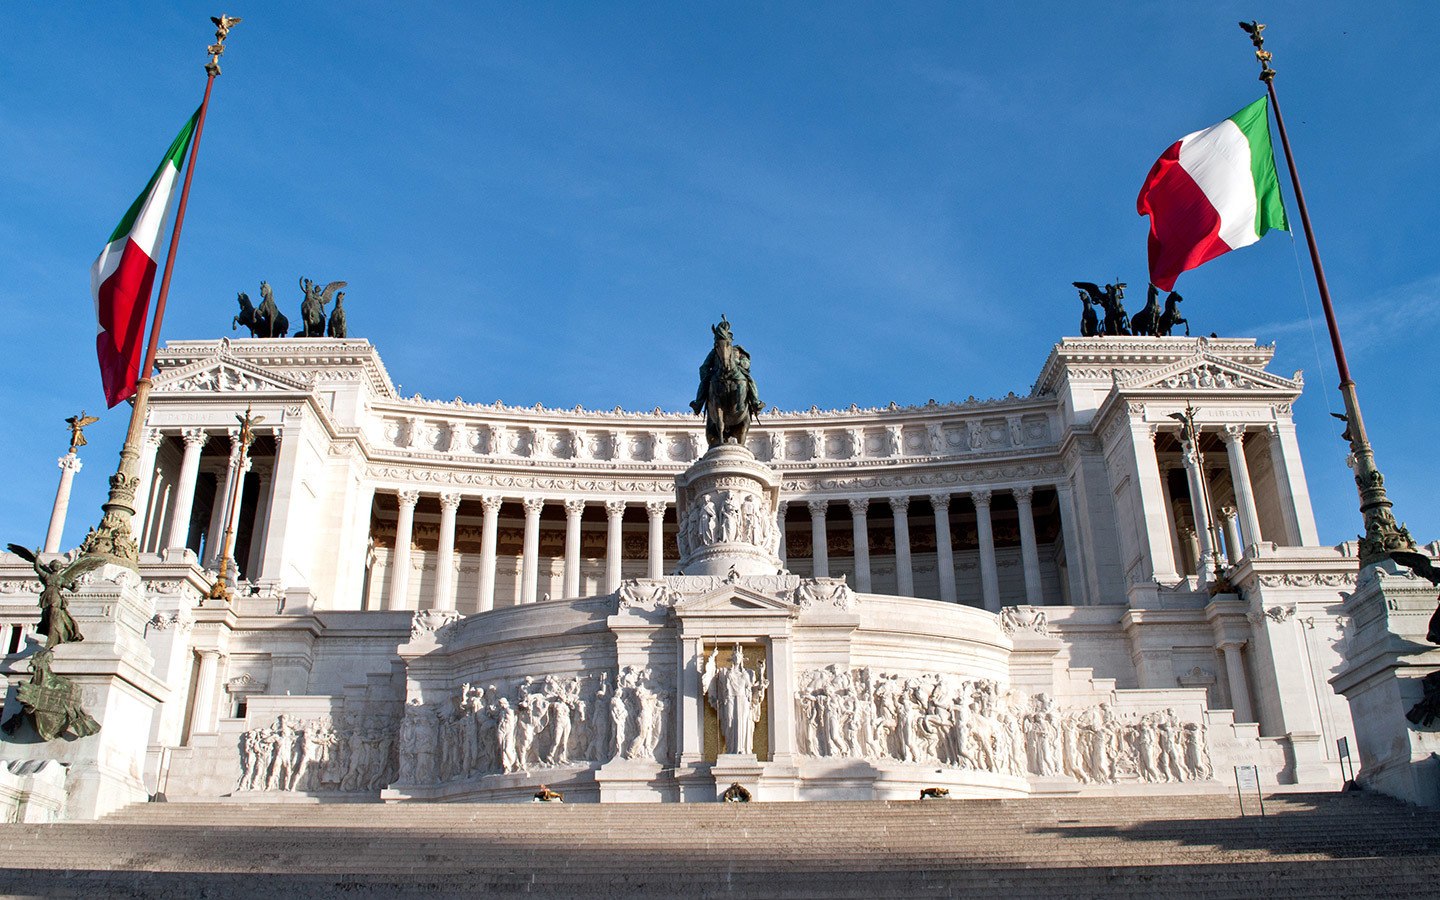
[444,599]
[939,504]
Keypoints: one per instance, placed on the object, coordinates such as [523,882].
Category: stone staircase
[1309,845]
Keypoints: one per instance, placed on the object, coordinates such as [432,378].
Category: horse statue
[1089,321]
[1146,322]
[1171,316]
[1110,299]
[246,316]
[727,396]
[312,308]
[269,320]
[336,327]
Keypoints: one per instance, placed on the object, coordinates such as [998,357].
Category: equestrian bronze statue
[727,396]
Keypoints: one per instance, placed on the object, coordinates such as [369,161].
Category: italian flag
[1211,192]
[121,278]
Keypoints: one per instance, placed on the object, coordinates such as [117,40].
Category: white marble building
[999,596]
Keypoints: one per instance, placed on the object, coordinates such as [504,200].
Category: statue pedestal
[1386,658]
[725,504]
[114,670]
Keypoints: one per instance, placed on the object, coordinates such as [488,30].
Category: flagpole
[113,537]
[1382,533]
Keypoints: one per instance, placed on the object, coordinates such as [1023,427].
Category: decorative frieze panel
[975,724]
[315,755]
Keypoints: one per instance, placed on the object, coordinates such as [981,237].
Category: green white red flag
[123,274]
[1212,192]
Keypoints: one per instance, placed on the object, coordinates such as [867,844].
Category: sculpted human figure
[737,695]
[505,730]
[709,522]
[532,715]
[282,764]
[56,576]
[727,396]
[730,518]
[561,727]
[1197,756]
[427,725]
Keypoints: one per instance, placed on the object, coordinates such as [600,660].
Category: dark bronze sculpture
[246,316]
[1427,710]
[727,396]
[50,701]
[336,327]
[312,308]
[1171,316]
[1109,299]
[1146,322]
[1089,320]
[78,425]
[269,320]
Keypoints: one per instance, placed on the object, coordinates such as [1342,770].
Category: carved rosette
[726,512]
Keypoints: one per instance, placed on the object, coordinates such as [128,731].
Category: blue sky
[550,202]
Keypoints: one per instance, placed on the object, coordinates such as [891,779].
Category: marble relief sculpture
[538,724]
[976,724]
[726,517]
[316,755]
[737,694]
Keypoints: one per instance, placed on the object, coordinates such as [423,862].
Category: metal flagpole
[1382,533]
[112,538]
[222,588]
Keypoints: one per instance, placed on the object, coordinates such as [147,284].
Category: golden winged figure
[77,427]
[223,24]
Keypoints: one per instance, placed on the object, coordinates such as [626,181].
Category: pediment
[734,600]
[226,374]
[1208,372]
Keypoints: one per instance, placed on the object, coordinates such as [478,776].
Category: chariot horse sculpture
[727,396]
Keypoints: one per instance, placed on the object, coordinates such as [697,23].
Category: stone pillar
[1294,493]
[783,548]
[858,511]
[1191,540]
[574,509]
[489,536]
[232,511]
[819,540]
[614,542]
[530,549]
[224,487]
[1230,521]
[69,465]
[262,515]
[1165,468]
[1234,436]
[904,571]
[1155,540]
[202,719]
[989,576]
[1201,511]
[145,469]
[1074,558]
[195,439]
[400,558]
[445,558]
[655,510]
[1239,684]
[1029,553]
[944,552]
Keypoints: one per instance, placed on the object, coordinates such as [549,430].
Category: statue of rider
[713,366]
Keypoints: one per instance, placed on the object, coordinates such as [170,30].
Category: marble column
[1191,542]
[1239,684]
[233,504]
[179,532]
[262,515]
[145,468]
[219,507]
[1294,494]
[445,558]
[400,558]
[858,511]
[202,718]
[1074,558]
[655,510]
[489,536]
[1029,553]
[1200,510]
[944,552]
[530,549]
[989,575]
[614,542]
[574,510]
[1165,469]
[1234,436]
[783,548]
[1230,521]
[1156,543]
[69,465]
[819,540]
[904,570]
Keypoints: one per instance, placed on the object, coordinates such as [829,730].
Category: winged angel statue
[312,308]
